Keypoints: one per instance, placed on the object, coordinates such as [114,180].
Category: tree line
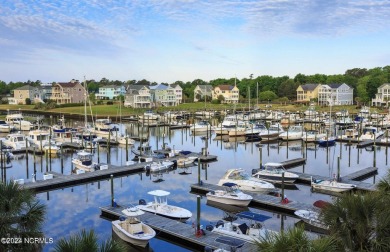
[365,83]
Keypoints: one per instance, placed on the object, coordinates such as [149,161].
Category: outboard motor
[208,249]
[254,171]
[122,218]
[209,227]
[220,223]
[141,202]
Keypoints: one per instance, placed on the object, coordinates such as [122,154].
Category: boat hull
[133,239]
[229,201]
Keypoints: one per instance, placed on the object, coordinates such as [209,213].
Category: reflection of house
[230,93]
[27,91]
[163,95]
[178,93]
[307,92]
[382,98]
[339,94]
[138,96]
[110,92]
[68,92]
[201,91]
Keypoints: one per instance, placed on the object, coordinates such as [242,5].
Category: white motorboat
[371,133]
[51,149]
[18,121]
[312,216]
[350,134]
[149,115]
[293,133]
[245,182]
[131,229]
[312,136]
[16,141]
[83,161]
[104,127]
[160,206]
[272,133]
[159,166]
[5,127]
[39,138]
[274,172]
[230,196]
[331,185]
[186,162]
[201,126]
[252,233]
[123,139]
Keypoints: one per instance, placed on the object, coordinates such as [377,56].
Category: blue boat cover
[230,241]
[229,184]
[253,216]
[185,152]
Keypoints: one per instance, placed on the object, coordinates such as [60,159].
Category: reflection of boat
[230,196]
[245,182]
[229,209]
[131,229]
[327,141]
[274,172]
[160,206]
[186,162]
[331,185]
[251,233]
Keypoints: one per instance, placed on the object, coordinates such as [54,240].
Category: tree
[267,95]
[295,239]
[21,216]
[221,98]
[28,101]
[87,241]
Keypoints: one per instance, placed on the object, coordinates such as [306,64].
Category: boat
[350,134]
[104,127]
[331,185]
[16,141]
[230,196]
[310,112]
[327,141]
[131,229]
[274,172]
[159,166]
[245,182]
[293,133]
[251,233]
[83,161]
[201,126]
[186,162]
[51,149]
[311,136]
[5,127]
[160,206]
[312,216]
[149,115]
[17,120]
[272,133]
[371,133]
[39,138]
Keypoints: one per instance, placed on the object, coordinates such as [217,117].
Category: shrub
[215,101]
[28,101]
[110,103]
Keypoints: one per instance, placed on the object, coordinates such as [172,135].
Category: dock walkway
[176,230]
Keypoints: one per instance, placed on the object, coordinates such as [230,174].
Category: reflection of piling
[198,171]
[98,151]
[374,161]
[112,189]
[27,159]
[62,159]
[338,168]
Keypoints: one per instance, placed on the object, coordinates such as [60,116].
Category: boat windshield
[239,175]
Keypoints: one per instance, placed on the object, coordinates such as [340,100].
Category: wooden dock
[293,163]
[176,230]
[263,201]
[361,174]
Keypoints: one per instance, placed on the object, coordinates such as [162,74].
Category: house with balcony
[337,94]
[138,96]
[27,91]
[163,95]
[307,92]
[202,91]
[110,92]
[382,98]
[68,92]
[178,92]
[230,93]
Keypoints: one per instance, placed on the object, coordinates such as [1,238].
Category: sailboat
[328,140]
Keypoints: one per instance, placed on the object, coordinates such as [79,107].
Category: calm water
[71,209]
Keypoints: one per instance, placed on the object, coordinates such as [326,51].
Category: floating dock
[177,230]
[264,201]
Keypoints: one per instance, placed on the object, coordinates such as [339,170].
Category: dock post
[27,158]
[112,189]
[35,165]
[127,148]
[109,148]
[282,186]
[50,151]
[1,160]
[197,214]
[374,161]
[338,168]
[198,171]
[62,159]
[349,155]
[261,156]
[98,151]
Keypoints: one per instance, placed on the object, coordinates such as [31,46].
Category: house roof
[309,87]
[134,89]
[110,86]
[384,85]
[175,86]
[67,84]
[226,87]
[159,87]
[205,88]
[335,85]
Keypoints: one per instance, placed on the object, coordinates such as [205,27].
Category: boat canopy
[159,193]
[253,216]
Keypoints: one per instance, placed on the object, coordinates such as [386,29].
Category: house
[307,92]
[68,92]
[337,94]
[46,91]
[110,92]
[202,91]
[178,92]
[138,96]
[382,98]
[230,93]
[163,95]
[27,91]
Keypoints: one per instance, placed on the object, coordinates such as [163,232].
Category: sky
[171,40]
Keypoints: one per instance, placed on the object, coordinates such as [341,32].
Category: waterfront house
[178,92]
[110,92]
[68,92]
[382,98]
[307,92]
[339,94]
[230,93]
[138,96]
[201,91]
[27,91]
[163,95]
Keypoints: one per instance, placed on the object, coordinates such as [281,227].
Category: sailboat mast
[85,104]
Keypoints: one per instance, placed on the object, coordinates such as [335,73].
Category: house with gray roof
[35,94]
[382,98]
[138,96]
[335,94]
[307,92]
[201,91]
